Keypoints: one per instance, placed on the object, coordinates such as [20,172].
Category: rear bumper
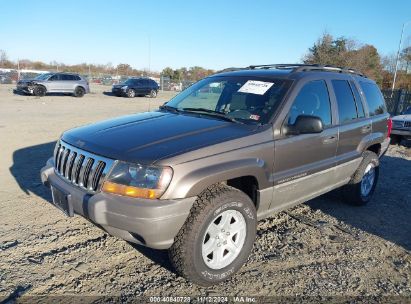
[152,223]
[384,146]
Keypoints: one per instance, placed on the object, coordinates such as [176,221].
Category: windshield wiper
[211,113]
[169,108]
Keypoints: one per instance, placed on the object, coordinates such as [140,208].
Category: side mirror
[305,124]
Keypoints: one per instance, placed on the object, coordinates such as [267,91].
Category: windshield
[408,111]
[43,76]
[240,98]
[129,81]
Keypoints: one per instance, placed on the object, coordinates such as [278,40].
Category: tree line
[327,50]
[344,52]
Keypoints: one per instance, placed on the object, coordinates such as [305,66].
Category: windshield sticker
[255,117]
[255,87]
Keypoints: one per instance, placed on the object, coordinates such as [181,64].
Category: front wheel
[217,237]
[362,185]
[153,93]
[131,93]
[39,90]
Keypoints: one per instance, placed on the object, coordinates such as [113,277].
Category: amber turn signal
[110,187]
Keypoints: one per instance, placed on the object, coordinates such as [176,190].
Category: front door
[304,163]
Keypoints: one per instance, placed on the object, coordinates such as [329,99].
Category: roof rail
[308,67]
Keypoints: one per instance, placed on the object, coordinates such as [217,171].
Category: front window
[43,76]
[238,98]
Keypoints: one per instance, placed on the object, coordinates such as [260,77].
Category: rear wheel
[39,90]
[217,237]
[79,92]
[153,93]
[131,93]
[362,185]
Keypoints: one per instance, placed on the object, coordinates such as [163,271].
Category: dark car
[196,175]
[136,87]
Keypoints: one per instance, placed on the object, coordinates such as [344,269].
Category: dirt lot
[321,248]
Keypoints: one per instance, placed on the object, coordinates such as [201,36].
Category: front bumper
[152,223]
[402,132]
[118,92]
[24,89]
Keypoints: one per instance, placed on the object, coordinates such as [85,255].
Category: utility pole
[149,54]
[18,69]
[398,57]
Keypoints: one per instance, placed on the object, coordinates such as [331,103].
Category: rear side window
[76,77]
[375,101]
[347,109]
[312,100]
[66,77]
[360,107]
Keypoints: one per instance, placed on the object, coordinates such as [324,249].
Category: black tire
[395,139]
[131,93]
[153,94]
[39,90]
[186,252]
[352,192]
[79,92]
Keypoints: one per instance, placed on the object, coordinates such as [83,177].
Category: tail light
[389,126]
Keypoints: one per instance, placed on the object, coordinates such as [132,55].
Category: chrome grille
[81,168]
[397,124]
[407,124]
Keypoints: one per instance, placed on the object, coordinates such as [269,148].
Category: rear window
[375,100]
[347,110]
[360,107]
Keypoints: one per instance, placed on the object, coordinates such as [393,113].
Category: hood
[147,137]
[118,85]
[406,117]
[26,80]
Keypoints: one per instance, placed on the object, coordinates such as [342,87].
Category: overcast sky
[213,34]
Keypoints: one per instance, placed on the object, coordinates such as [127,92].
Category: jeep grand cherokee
[196,175]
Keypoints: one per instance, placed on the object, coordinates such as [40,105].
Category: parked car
[54,83]
[133,87]
[4,79]
[401,127]
[195,176]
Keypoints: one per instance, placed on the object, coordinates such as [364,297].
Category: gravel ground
[323,248]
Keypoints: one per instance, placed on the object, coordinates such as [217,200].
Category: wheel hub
[224,239]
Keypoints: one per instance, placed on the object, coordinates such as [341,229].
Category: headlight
[138,180]
[124,88]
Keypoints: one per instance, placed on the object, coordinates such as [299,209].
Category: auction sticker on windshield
[255,87]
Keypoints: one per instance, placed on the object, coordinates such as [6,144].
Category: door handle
[330,139]
[365,129]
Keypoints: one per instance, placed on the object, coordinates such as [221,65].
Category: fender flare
[194,182]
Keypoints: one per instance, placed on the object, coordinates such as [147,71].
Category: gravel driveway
[322,248]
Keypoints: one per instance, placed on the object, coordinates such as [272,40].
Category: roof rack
[308,67]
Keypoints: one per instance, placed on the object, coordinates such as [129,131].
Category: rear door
[67,82]
[304,164]
[353,125]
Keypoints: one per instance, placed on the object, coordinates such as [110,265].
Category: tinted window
[54,77]
[347,110]
[360,107]
[67,77]
[76,77]
[312,100]
[374,98]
